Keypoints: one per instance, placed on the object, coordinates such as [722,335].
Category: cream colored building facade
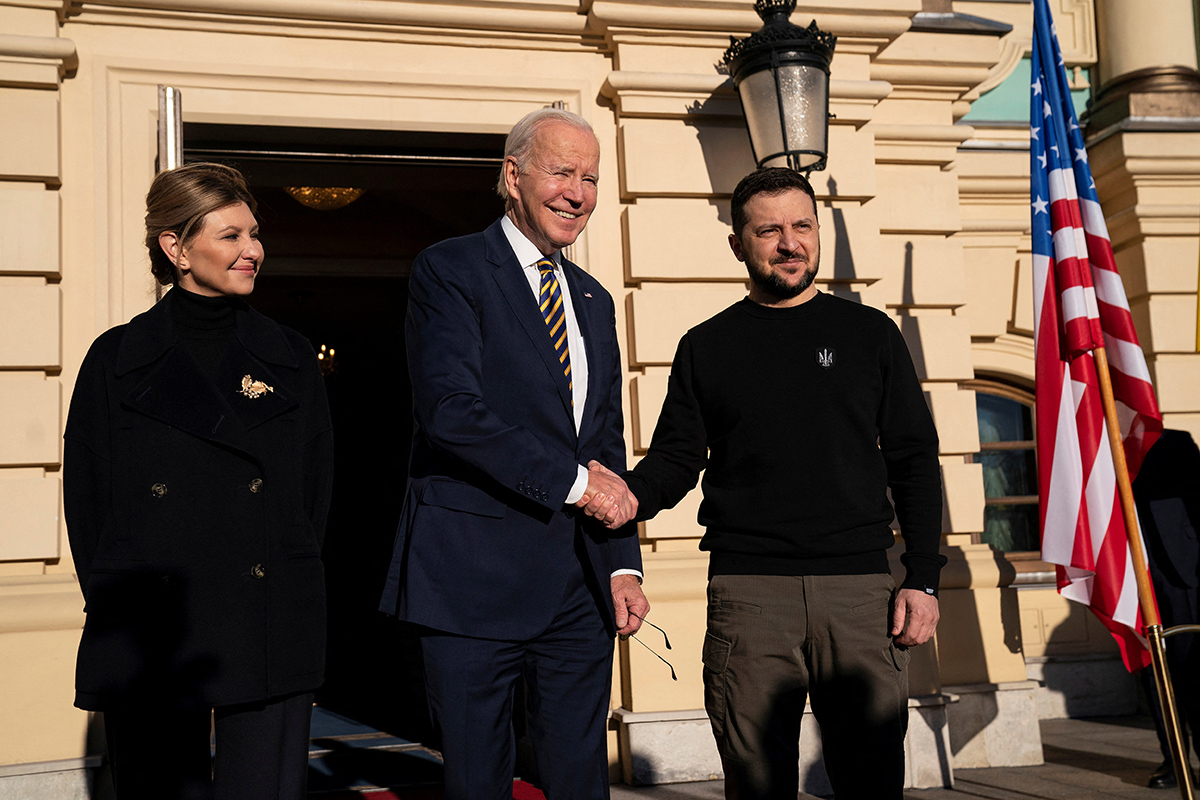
[924,215]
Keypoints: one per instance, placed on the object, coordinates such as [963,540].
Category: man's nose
[789,241]
[574,191]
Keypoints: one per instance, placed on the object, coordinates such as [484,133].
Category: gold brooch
[254,389]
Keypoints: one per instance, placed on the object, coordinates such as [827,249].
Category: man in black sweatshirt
[802,410]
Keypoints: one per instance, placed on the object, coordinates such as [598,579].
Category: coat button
[158,489]
[257,571]
[256,485]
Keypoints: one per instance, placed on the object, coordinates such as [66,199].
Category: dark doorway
[339,276]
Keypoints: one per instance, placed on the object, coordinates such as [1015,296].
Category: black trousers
[568,671]
[261,751]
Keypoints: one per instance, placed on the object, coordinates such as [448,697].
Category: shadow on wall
[975,711]
[1083,674]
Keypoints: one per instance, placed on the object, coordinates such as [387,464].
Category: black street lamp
[781,73]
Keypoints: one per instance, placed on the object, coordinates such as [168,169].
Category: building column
[1143,137]
[41,609]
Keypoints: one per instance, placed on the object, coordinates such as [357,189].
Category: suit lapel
[511,279]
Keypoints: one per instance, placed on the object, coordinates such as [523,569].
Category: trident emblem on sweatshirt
[825,357]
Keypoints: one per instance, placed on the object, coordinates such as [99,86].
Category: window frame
[1024,396]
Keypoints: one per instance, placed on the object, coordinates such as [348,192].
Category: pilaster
[40,612]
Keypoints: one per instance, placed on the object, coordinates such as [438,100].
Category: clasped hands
[607,498]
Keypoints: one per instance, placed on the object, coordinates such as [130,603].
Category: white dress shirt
[528,255]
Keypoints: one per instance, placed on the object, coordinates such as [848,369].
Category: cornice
[639,14]
[563,19]
[859,30]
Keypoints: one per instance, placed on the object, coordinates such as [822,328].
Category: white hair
[519,143]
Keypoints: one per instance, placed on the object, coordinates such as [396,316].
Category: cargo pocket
[716,659]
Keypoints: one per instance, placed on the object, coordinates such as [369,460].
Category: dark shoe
[1163,777]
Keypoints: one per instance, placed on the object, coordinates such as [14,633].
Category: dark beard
[773,284]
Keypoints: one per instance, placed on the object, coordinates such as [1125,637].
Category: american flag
[1080,305]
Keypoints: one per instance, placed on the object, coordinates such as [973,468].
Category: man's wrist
[635,573]
[578,487]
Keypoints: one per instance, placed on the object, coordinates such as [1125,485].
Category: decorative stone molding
[1155,93]
[674,17]
[1075,22]
[36,61]
[672,94]
[553,18]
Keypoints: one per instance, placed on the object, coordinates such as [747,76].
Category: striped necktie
[551,302]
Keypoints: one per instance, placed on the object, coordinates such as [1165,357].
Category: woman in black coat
[197,474]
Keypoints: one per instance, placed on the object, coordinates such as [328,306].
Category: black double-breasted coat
[196,510]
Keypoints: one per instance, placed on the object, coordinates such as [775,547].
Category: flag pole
[1154,631]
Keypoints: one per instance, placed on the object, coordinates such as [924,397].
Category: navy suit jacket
[485,544]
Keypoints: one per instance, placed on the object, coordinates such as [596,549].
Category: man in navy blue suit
[516,377]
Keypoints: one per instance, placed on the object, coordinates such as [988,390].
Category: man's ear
[511,171]
[735,244]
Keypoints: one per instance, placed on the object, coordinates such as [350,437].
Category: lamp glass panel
[805,91]
[761,108]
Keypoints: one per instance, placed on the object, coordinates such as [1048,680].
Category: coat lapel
[178,393]
[511,280]
[586,318]
[253,392]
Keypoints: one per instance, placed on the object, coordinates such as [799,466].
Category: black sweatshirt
[808,415]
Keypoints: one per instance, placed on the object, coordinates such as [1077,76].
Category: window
[1008,454]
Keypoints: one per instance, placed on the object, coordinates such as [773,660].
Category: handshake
[607,498]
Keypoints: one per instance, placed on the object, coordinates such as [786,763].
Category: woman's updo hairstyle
[178,201]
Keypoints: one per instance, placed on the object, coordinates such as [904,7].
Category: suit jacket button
[258,572]
[256,485]
[158,489]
